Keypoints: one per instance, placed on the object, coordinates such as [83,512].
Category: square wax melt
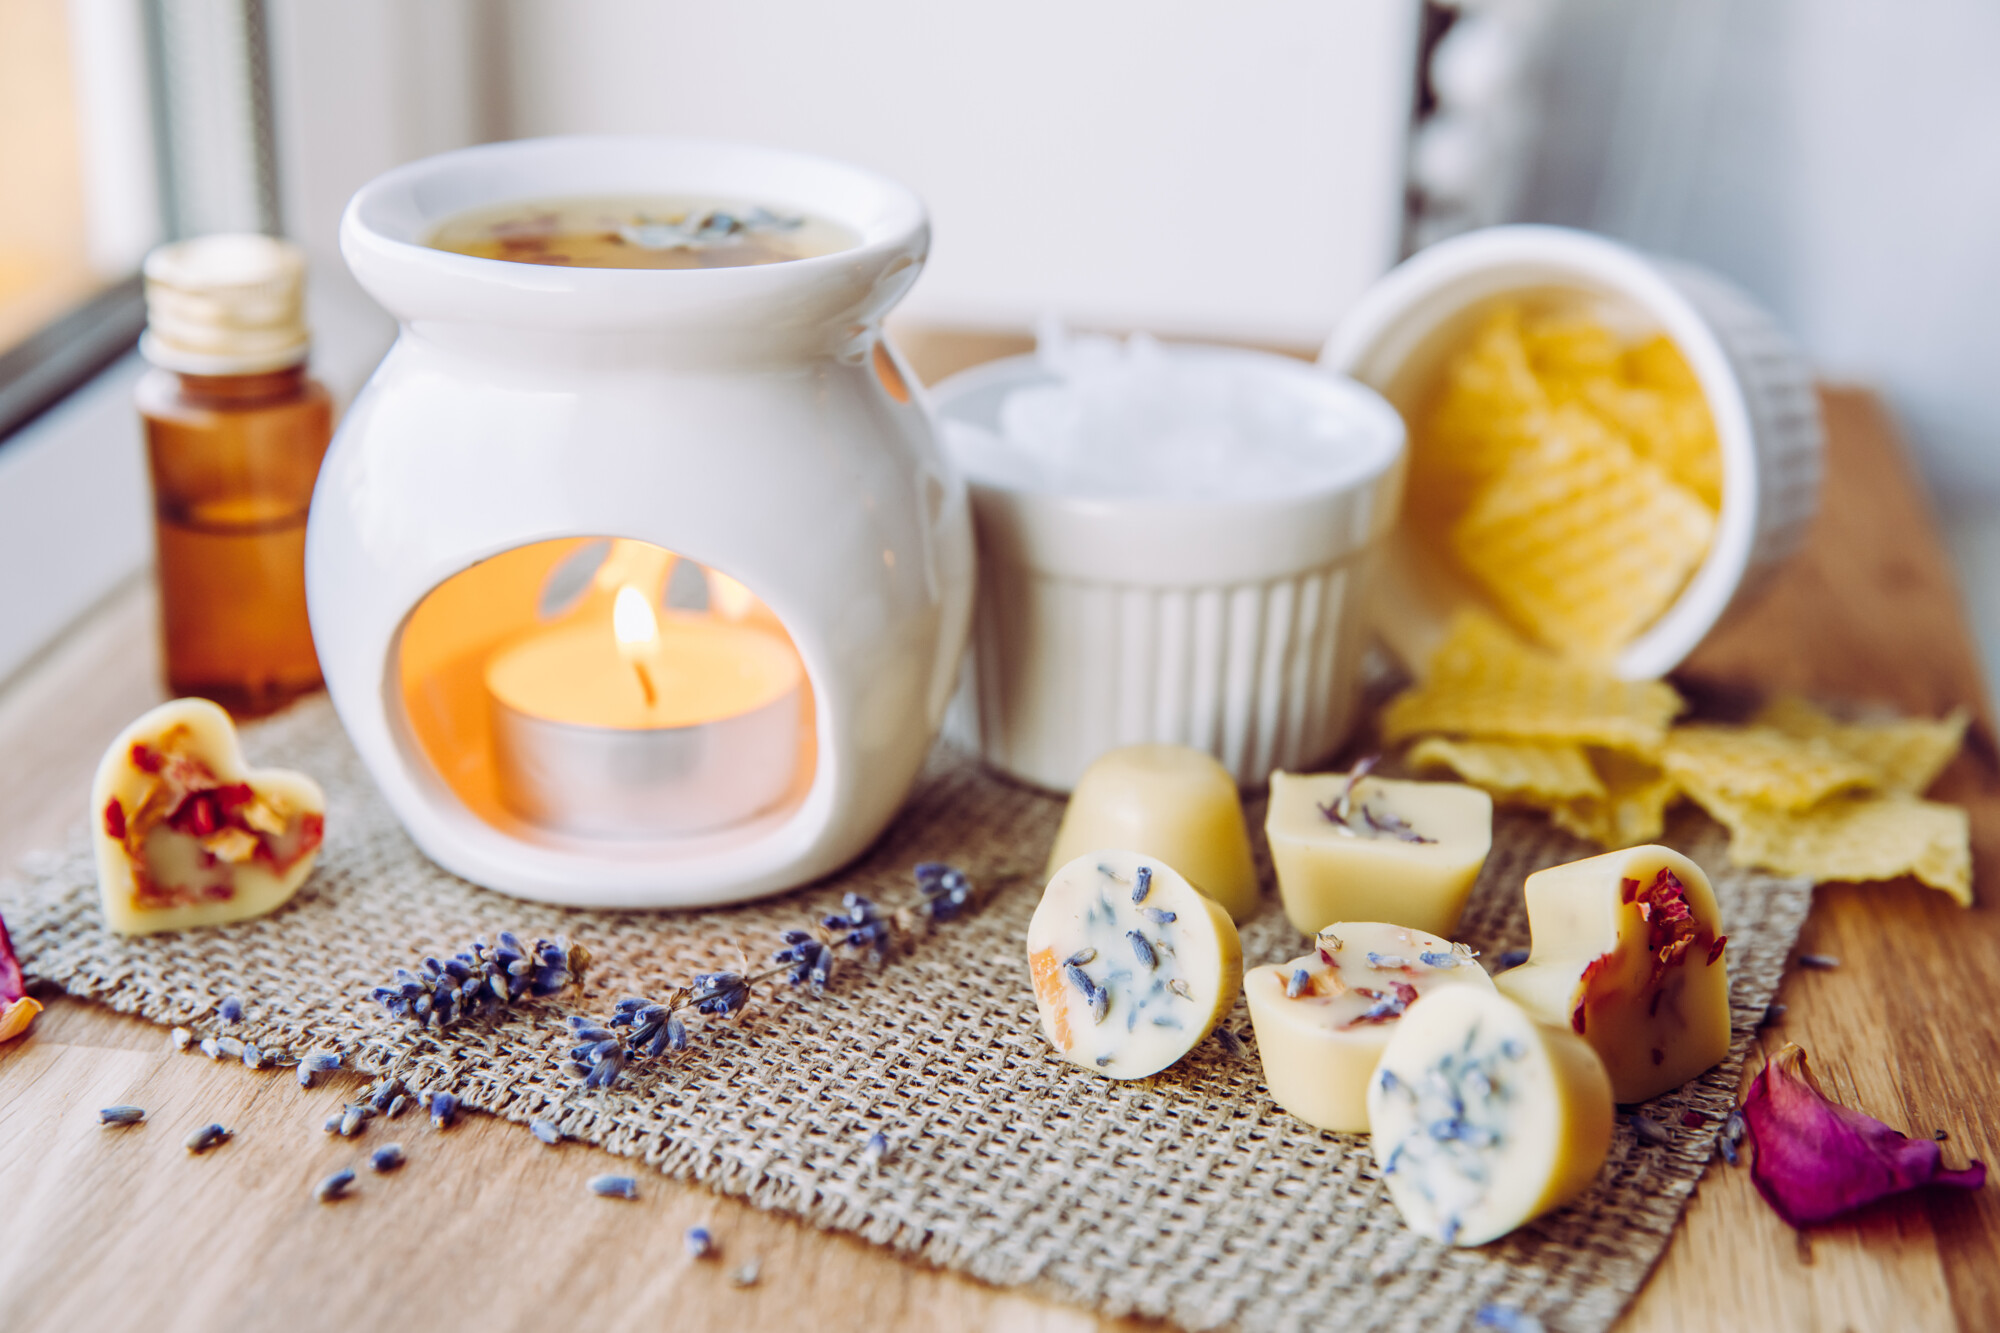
[1362,848]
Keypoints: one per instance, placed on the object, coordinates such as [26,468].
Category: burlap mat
[1188,1196]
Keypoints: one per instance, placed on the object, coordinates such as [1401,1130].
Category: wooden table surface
[122,1229]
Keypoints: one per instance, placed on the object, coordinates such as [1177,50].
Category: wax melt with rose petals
[188,835]
[1628,953]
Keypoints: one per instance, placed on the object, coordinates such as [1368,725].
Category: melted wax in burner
[639,232]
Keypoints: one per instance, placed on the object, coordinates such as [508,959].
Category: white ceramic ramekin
[1234,626]
[1759,389]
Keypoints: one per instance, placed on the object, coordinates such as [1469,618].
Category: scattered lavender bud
[253,1058]
[1509,958]
[230,1010]
[1819,962]
[386,1158]
[1142,884]
[1942,1136]
[1295,985]
[351,1121]
[180,1038]
[1159,916]
[397,1106]
[1142,950]
[334,1186]
[444,1109]
[1772,1013]
[208,1136]
[120,1115]
[700,1245]
[332,1125]
[877,1147]
[747,1275]
[545,1131]
[1649,1131]
[1731,1137]
[321,1062]
[230,1047]
[1507,1319]
[614,1187]
[1388,962]
[382,1097]
[1084,955]
[1232,1044]
[211,1048]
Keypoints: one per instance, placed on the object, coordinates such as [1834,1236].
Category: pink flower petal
[12,985]
[1817,1159]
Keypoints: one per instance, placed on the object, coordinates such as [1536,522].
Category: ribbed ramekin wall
[1261,675]
[1777,385]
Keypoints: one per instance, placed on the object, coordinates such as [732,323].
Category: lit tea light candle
[647,726]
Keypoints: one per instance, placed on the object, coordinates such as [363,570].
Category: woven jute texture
[1188,1195]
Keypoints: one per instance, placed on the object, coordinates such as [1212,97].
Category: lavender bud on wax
[1354,847]
[1104,1005]
[1323,1020]
[1483,1119]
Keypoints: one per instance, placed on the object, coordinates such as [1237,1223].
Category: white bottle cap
[225,305]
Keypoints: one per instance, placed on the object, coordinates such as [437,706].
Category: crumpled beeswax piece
[17,1011]
[1817,1160]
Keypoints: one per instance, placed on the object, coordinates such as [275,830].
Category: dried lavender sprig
[482,978]
[601,1051]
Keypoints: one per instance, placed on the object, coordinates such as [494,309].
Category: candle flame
[633,623]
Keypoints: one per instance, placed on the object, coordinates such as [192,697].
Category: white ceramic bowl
[1758,387]
[1231,625]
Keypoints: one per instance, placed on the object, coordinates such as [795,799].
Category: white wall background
[1187,166]
[1839,158]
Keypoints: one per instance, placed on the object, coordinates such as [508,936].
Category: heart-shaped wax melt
[186,834]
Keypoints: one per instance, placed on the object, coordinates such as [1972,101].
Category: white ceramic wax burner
[639,586]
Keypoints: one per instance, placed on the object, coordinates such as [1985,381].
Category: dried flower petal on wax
[1818,1160]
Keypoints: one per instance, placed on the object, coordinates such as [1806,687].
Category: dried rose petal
[12,985]
[1817,1159]
[16,1016]
[16,1010]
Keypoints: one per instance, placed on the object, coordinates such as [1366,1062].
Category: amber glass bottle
[235,430]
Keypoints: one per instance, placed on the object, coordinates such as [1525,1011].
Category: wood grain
[121,1229]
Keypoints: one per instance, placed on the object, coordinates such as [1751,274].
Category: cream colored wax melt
[1628,953]
[1361,848]
[1323,1020]
[1132,965]
[1484,1119]
[186,835]
[1168,801]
